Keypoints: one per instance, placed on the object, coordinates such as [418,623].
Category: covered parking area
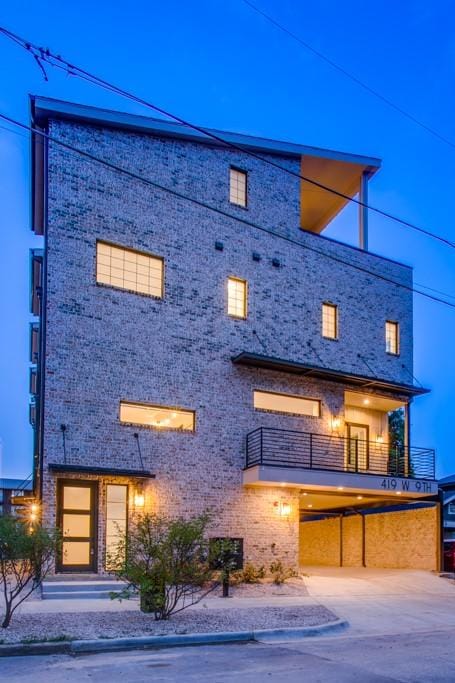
[368,532]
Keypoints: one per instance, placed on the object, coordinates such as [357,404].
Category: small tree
[26,558]
[166,560]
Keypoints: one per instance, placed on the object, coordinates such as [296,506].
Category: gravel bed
[266,588]
[70,626]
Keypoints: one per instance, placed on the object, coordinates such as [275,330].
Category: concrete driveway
[384,601]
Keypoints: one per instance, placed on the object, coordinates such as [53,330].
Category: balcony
[280,456]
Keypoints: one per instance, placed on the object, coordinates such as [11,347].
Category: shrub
[167,561]
[280,573]
[252,574]
[224,557]
[26,557]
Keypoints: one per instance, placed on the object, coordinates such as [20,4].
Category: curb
[179,640]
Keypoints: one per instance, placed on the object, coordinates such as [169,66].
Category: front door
[357,446]
[77,503]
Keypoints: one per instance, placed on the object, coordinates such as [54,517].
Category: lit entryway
[76,513]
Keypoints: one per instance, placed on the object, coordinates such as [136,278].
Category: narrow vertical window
[237,297]
[116,523]
[330,321]
[392,337]
[237,187]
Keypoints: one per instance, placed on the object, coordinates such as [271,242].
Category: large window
[129,269]
[237,187]
[237,297]
[286,403]
[329,321]
[392,337]
[157,417]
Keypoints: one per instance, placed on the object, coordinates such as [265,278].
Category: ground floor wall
[267,519]
[403,539]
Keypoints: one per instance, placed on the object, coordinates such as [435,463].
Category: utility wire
[217,210]
[45,55]
[349,75]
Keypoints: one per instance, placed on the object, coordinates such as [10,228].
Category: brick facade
[104,345]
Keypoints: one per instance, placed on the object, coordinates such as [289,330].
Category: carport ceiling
[312,502]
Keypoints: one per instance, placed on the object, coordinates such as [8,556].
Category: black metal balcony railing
[305,450]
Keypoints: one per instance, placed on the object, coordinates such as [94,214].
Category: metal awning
[297,368]
[107,471]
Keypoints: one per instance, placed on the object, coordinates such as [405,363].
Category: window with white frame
[286,403]
[451,509]
[237,297]
[392,337]
[128,269]
[329,321]
[237,187]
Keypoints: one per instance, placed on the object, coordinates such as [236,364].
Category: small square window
[330,321]
[392,338]
[237,187]
[237,297]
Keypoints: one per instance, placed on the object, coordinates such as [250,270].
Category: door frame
[367,446]
[92,567]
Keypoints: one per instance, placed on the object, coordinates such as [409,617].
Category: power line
[350,75]
[45,55]
[217,210]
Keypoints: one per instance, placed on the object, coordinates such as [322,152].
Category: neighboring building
[9,489]
[186,360]
[447,486]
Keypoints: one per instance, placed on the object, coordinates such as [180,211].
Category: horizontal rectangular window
[451,509]
[237,297]
[392,337]
[237,187]
[285,403]
[329,321]
[129,269]
[158,417]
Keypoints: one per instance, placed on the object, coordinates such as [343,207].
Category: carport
[362,531]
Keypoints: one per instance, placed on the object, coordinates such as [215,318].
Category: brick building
[199,344]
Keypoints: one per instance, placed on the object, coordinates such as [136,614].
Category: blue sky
[219,64]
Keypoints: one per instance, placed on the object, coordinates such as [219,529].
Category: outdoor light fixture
[379,438]
[139,499]
[283,509]
[366,401]
[359,497]
[340,488]
[336,423]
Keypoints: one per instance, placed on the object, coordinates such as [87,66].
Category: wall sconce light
[139,499]
[379,438]
[34,509]
[335,423]
[283,509]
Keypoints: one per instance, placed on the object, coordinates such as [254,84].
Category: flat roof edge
[45,107]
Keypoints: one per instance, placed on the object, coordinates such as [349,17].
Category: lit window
[128,269]
[158,417]
[330,321]
[237,187]
[237,295]
[392,337]
[284,403]
[116,523]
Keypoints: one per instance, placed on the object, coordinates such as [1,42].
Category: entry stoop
[80,588]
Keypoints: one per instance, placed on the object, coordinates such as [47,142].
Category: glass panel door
[77,501]
[358,436]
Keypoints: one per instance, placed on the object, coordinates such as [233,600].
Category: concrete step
[77,595]
[94,588]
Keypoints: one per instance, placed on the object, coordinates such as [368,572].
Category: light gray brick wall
[104,345]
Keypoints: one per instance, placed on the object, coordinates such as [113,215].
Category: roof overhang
[61,468]
[297,368]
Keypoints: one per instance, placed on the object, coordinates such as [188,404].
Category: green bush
[280,573]
[26,557]
[252,574]
[166,561]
